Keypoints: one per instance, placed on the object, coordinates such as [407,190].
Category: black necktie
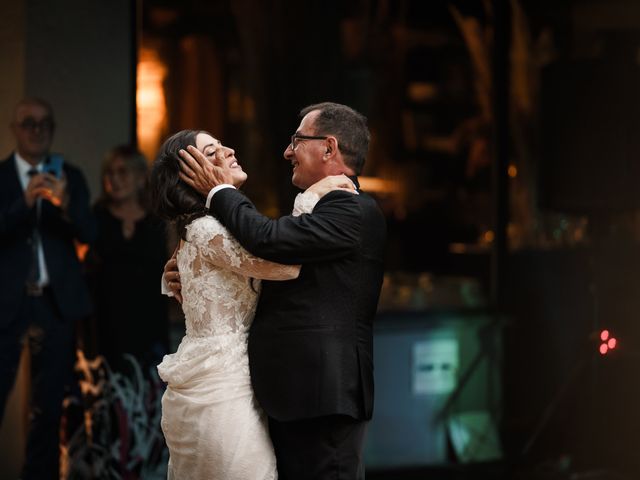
[34,270]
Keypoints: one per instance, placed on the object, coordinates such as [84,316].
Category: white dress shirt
[23,167]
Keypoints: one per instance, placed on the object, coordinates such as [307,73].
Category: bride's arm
[218,247]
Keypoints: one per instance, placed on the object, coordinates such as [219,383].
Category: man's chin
[296,182]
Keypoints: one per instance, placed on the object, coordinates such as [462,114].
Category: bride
[213,427]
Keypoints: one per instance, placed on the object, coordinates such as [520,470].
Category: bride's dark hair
[171,198]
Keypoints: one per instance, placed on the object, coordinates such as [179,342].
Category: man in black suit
[310,346]
[43,211]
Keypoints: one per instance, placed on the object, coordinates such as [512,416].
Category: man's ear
[332,147]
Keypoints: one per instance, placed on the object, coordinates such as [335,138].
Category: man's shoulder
[70,167]
[6,162]
[368,200]
[74,174]
[349,200]
[7,166]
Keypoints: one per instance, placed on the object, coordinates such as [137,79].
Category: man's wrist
[214,190]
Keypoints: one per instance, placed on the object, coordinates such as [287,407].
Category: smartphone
[53,165]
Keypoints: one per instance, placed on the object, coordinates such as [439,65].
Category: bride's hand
[172,277]
[331,183]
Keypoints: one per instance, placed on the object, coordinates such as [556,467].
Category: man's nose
[288,152]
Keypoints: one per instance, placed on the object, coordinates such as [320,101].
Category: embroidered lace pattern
[220,287]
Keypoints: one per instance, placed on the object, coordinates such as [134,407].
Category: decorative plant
[111,427]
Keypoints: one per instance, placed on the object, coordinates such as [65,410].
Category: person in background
[124,264]
[44,211]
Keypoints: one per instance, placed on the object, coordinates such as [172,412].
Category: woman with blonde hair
[124,262]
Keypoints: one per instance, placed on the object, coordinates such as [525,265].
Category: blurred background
[504,154]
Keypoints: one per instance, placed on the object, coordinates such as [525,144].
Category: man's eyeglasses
[296,137]
[45,125]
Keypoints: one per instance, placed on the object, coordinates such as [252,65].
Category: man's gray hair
[348,126]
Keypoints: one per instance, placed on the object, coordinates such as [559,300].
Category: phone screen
[54,165]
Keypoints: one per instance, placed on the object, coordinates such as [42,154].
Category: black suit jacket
[58,233]
[311,342]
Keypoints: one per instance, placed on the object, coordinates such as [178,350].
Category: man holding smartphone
[44,210]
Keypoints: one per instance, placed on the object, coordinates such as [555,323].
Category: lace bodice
[219,302]
[220,287]
[219,297]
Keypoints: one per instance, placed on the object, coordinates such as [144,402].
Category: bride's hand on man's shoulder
[331,183]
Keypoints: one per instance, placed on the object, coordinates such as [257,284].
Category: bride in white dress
[213,427]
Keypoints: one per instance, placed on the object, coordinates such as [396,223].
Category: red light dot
[604,335]
[604,348]
[612,343]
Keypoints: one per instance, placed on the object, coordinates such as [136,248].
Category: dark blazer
[58,233]
[311,342]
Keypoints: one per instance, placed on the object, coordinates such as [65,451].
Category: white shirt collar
[23,168]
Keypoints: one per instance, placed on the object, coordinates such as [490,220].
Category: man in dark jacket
[310,345]
[44,210]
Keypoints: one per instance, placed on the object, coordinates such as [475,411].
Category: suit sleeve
[332,231]
[13,213]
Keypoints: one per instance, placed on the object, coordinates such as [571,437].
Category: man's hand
[47,186]
[201,173]
[56,192]
[331,183]
[35,189]
[172,277]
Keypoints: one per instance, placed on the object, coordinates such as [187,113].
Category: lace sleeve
[218,247]
[304,203]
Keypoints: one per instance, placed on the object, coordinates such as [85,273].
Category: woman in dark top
[126,263]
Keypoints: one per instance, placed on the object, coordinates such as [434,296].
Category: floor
[494,471]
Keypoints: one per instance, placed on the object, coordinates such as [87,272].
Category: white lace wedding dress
[211,422]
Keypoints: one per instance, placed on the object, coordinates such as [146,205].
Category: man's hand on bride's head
[199,172]
[331,183]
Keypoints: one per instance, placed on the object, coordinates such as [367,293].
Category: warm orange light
[150,101]
[512,171]
[488,236]
[81,250]
[379,185]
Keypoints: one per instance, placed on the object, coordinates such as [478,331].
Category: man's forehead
[308,121]
[32,110]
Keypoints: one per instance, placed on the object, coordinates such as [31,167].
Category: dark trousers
[323,448]
[50,342]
